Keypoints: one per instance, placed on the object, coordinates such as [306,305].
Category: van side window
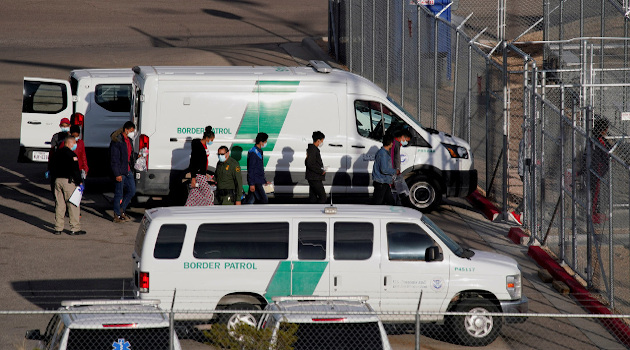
[407,241]
[169,241]
[312,241]
[255,240]
[114,97]
[42,97]
[353,240]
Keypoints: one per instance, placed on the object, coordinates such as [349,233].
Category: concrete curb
[482,203]
[616,326]
[517,236]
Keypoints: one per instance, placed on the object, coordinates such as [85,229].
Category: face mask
[222,158]
[264,145]
[76,139]
[320,145]
[404,143]
[209,143]
[74,147]
[131,134]
[65,128]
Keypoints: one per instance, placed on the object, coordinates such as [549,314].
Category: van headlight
[456,151]
[513,286]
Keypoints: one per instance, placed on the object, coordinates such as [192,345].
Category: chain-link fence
[255,329]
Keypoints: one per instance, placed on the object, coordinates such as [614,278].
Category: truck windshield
[452,245]
[414,119]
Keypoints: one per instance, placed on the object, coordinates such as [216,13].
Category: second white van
[173,105]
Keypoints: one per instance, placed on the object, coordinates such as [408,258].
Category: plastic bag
[401,186]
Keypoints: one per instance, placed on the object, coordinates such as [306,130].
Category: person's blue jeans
[122,201]
[258,196]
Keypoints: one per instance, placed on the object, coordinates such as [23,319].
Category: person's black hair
[261,137]
[129,125]
[387,140]
[318,135]
[208,133]
[224,148]
[601,124]
[68,138]
[75,128]
[402,132]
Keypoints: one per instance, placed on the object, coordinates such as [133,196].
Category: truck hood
[497,261]
[443,137]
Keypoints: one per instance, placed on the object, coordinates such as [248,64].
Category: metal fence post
[611,260]
[562,177]
[574,247]
[419,50]
[435,70]
[469,99]
[589,201]
[455,82]
[402,57]
[350,41]
[387,51]
[373,38]
[362,42]
[534,199]
[526,135]
[488,162]
[504,188]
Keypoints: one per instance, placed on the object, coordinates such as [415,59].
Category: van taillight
[144,282]
[144,142]
[143,147]
[77,119]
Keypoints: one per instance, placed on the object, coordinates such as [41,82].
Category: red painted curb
[517,236]
[482,203]
[615,325]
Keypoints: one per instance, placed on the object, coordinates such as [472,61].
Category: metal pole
[488,160]
[504,188]
[435,70]
[373,38]
[561,37]
[611,260]
[362,41]
[469,100]
[526,135]
[601,53]
[545,29]
[350,51]
[534,199]
[589,202]
[387,51]
[562,177]
[573,189]
[418,49]
[543,120]
[581,18]
[455,81]
[402,57]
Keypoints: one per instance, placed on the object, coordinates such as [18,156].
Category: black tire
[231,319]
[478,329]
[424,194]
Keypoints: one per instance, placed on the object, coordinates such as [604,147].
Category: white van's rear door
[44,103]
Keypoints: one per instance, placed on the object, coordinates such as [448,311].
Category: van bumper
[460,183]
[520,306]
[153,182]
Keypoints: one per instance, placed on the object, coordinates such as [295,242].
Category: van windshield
[414,119]
[451,244]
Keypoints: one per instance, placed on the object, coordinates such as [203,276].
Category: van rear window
[169,241]
[252,240]
[353,240]
[132,338]
[114,97]
[346,336]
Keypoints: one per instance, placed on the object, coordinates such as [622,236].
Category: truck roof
[284,211]
[103,73]
[235,73]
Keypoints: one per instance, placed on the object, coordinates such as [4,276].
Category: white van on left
[98,100]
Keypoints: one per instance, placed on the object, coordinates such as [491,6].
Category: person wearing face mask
[401,139]
[67,177]
[121,159]
[56,142]
[256,171]
[200,191]
[315,172]
[228,177]
[75,131]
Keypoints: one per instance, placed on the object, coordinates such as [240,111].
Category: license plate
[39,156]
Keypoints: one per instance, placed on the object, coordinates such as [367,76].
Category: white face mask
[65,128]
[222,158]
[264,145]
[131,134]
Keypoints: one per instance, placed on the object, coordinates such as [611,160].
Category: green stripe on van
[306,277]
[266,115]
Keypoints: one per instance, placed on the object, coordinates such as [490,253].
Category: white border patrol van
[98,100]
[173,105]
[226,257]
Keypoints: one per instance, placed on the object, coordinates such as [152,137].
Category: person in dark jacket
[65,166]
[599,164]
[383,173]
[315,172]
[56,142]
[256,171]
[200,191]
[228,178]
[122,160]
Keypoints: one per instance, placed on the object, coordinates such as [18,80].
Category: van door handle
[334,145]
[173,139]
[34,123]
[385,281]
[335,281]
[357,146]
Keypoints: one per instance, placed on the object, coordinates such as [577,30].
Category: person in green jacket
[228,177]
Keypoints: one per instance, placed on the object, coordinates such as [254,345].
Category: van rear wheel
[240,316]
[424,194]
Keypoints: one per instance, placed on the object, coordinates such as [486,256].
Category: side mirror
[432,253]
[34,334]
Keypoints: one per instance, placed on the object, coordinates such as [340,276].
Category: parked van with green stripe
[173,105]
[239,258]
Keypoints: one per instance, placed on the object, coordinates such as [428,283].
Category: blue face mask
[404,143]
[222,158]
[65,128]
[74,147]
[208,144]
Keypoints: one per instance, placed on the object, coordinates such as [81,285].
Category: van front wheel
[476,328]
[424,194]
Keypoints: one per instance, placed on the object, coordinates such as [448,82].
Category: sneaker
[118,219]
[125,217]
[57,232]
[77,233]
